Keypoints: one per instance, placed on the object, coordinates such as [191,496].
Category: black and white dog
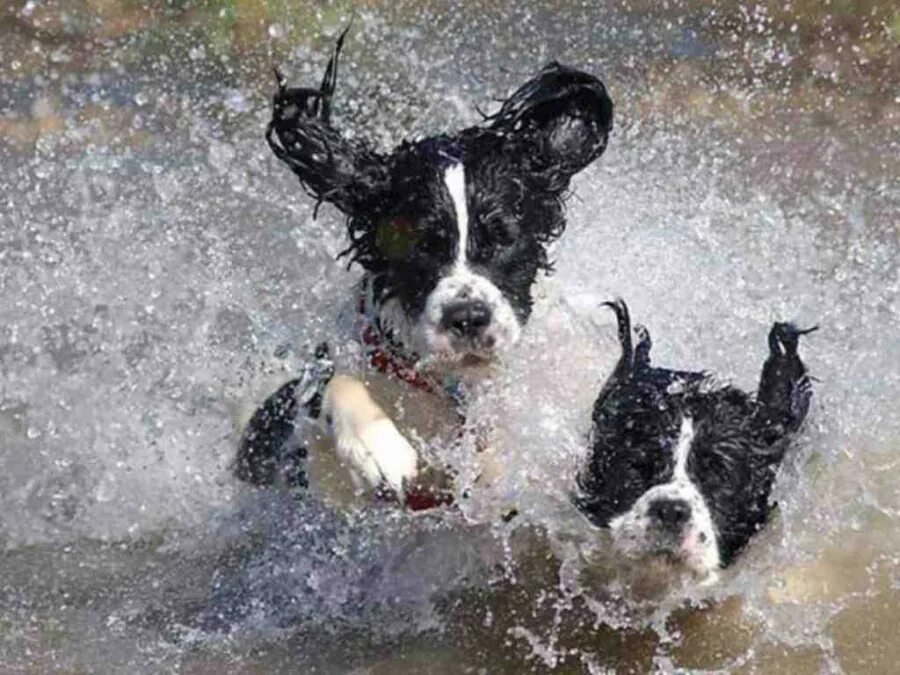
[681,466]
[451,231]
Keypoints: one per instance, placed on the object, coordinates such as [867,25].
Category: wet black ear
[625,365]
[560,120]
[331,167]
[785,388]
[623,325]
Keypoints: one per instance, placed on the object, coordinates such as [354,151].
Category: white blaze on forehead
[455,180]
[461,282]
[683,449]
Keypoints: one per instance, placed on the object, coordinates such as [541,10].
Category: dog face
[466,312]
[682,467]
[453,229]
[692,485]
[460,252]
[682,514]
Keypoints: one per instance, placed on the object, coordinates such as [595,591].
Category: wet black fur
[400,218]
[271,452]
[267,456]
[739,443]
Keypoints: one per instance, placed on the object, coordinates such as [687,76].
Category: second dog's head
[452,229]
[682,466]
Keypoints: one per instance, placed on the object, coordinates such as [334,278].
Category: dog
[681,466]
[451,232]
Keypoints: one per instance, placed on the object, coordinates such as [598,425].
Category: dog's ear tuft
[560,120]
[331,167]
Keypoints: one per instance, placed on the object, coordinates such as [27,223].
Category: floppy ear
[329,166]
[560,120]
[785,388]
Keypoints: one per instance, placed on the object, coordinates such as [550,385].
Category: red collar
[387,358]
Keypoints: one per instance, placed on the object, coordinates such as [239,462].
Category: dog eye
[501,232]
[716,464]
[396,238]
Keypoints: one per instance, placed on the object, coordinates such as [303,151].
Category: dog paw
[377,453]
[365,438]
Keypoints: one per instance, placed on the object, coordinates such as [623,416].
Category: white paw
[378,453]
[365,439]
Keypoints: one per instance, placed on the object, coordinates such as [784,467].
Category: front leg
[365,439]
[271,452]
[273,448]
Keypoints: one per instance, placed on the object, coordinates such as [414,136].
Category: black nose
[467,318]
[671,514]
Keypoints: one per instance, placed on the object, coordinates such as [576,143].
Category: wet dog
[681,466]
[451,232]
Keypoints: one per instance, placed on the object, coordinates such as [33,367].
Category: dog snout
[467,319]
[669,514]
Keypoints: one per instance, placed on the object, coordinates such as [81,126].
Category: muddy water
[152,253]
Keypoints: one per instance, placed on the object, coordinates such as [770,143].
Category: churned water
[153,254]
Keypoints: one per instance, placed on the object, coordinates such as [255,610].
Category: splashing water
[153,254]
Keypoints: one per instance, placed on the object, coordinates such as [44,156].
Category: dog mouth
[466,316]
[683,552]
[465,355]
[482,348]
[671,548]
[464,345]
[672,552]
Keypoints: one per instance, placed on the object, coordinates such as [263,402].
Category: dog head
[682,467]
[452,229]
[692,485]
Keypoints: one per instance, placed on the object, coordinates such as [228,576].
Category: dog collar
[386,356]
